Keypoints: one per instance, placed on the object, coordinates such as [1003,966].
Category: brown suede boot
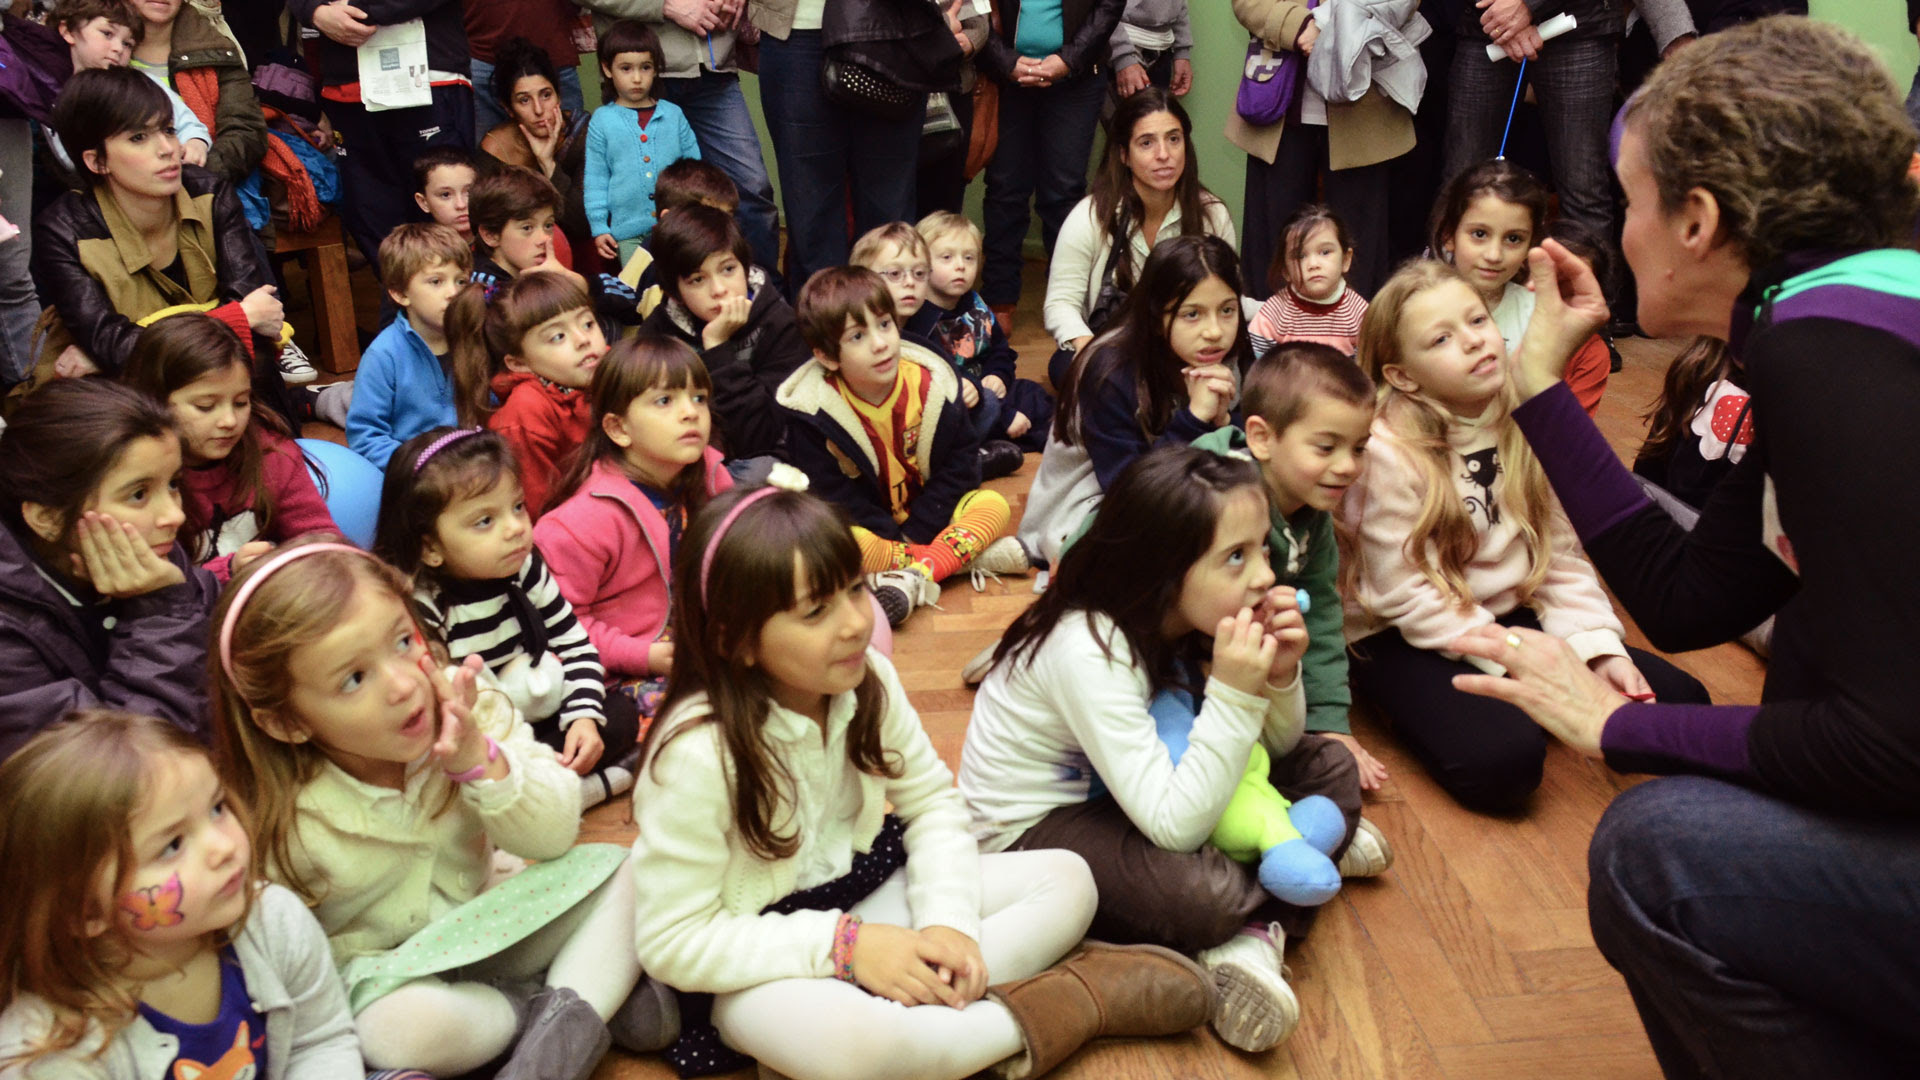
[1102,990]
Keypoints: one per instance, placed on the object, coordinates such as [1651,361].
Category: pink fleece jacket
[607,547]
[1391,591]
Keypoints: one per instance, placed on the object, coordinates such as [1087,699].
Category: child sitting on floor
[442,184]
[405,382]
[1314,302]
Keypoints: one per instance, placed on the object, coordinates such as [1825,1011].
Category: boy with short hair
[513,211]
[1309,413]
[443,180]
[405,381]
[958,319]
[685,183]
[897,253]
[877,425]
[102,34]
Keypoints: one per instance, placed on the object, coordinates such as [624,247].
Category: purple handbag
[1268,82]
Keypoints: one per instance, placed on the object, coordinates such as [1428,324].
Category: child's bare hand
[956,959]
[1209,388]
[887,963]
[74,364]
[461,746]
[994,383]
[607,246]
[118,561]
[263,310]
[722,327]
[1622,675]
[660,658]
[1372,772]
[969,393]
[1243,652]
[194,151]
[583,747]
[1280,614]
[1019,425]
[248,552]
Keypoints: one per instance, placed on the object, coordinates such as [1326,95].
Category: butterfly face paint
[193,862]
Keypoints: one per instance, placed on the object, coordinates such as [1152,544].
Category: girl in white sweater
[1168,589]
[385,785]
[776,882]
[1453,527]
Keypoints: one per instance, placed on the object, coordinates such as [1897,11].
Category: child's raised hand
[969,393]
[1372,772]
[607,246]
[74,364]
[887,963]
[1243,651]
[1280,614]
[956,959]
[461,746]
[722,327]
[118,561]
[1209,388]
[583,747]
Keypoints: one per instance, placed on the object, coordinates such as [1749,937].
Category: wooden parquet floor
[1469,960]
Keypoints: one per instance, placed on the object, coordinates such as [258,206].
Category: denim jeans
[827,154]
[19,304]
[1760,938]
[1046,137]
[1574,83]
[487,111]
[717,112]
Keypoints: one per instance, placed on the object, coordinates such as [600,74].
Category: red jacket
[544,424]
[1587,373]
[220,515]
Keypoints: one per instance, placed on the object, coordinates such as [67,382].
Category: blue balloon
[352,487]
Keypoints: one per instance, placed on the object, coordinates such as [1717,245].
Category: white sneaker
[1369,855]
[295,368]
[1006,555]
[976,670]
[597,787]
[1257,1010]
[901,592]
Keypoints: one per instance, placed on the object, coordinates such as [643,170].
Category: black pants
[377,171]
[1275,191]
[1484,752]
[620,732]
[942,183]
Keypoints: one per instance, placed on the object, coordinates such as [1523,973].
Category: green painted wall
[1220,44]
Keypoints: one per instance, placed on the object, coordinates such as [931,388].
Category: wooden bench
[323,253]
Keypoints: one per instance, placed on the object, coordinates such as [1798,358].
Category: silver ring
[1513,641]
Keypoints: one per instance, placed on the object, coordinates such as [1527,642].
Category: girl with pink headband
[382,785]
[794,912]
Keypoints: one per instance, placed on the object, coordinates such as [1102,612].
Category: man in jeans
[700,75]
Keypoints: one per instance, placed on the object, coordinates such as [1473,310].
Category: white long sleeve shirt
[1079,262]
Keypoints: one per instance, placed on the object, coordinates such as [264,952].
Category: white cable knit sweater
[1391,592]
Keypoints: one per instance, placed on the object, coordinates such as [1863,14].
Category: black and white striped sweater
[522,616]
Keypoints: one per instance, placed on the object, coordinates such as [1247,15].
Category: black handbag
[884,57]
[852,85]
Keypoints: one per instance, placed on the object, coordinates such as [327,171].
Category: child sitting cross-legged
[452,517]
[405,382]
[958,319]
[877,425]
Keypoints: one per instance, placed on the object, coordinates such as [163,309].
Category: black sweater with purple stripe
[1835,377]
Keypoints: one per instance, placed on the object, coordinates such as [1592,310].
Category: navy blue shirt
[233,1045]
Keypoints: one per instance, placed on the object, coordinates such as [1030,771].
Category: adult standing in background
[180,41]
[1346,145]
[27,89]
[550,24]
[701,73]
[1048,57]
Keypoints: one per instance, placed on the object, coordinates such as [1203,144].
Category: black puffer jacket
[747,369]
[79,265]
[1088,25]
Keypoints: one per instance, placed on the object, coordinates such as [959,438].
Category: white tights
[452,1024]
[1035,906]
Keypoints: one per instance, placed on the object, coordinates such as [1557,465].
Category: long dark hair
[412,498]
[1499,178]
[1116,202]
[1137,348]
[1156,521]
[182,349]
[632,367]
[515,59]
[753,580]
[1682,394]
[64,439]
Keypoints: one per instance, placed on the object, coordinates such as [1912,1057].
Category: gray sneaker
[900,592]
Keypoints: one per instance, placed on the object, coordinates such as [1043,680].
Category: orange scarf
[200,89]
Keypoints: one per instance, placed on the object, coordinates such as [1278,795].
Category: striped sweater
[1286,316]
[503,619]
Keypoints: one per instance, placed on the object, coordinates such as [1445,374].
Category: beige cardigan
[1365,132]
[697,918]
[386,865]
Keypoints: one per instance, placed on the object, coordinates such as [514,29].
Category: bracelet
[478,771]
[845,933]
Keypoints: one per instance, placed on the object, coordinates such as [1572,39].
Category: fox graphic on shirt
[236,1064]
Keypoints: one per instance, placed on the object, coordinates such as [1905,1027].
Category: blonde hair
[943,223]
[67,803]
[1443,539]
[300,604]
[868,249]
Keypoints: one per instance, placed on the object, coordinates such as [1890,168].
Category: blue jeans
[1760,938]
[1046,137]
[19,303]
[487,111]
[826,153]
[717,112]
[1574,82]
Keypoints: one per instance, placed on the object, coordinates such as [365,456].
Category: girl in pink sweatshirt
[645,470]
[1453,526]
[246,486]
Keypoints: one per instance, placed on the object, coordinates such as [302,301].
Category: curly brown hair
[1796,130]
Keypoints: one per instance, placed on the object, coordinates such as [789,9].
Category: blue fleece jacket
[400,391]
[617,147]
